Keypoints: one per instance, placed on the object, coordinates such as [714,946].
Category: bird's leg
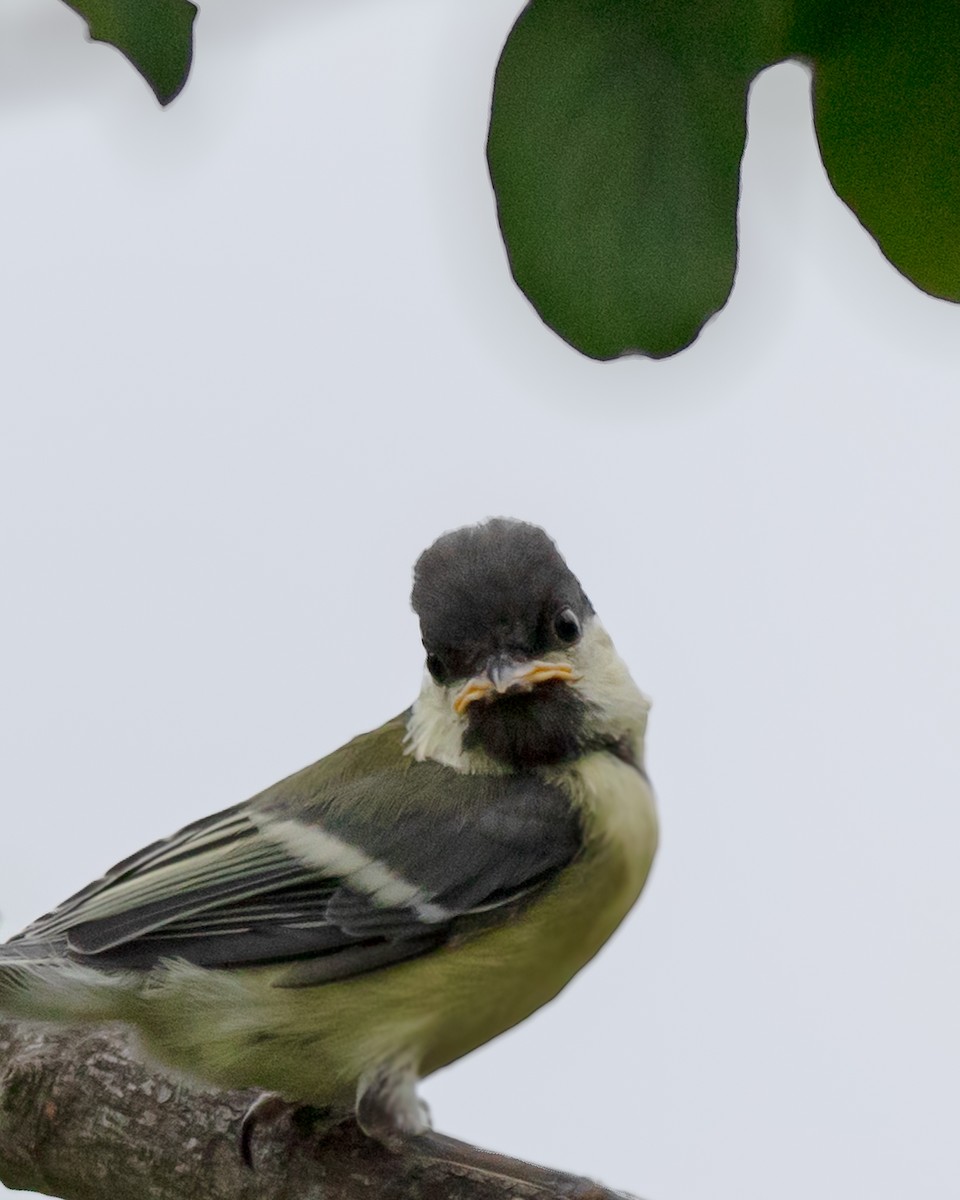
[390,1112]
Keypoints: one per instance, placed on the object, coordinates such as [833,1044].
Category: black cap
[494,588]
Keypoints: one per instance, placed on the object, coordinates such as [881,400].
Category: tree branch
[82,1118]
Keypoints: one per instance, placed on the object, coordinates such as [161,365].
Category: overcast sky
[260,348]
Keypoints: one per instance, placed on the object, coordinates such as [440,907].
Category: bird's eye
[436,667]
[566,626]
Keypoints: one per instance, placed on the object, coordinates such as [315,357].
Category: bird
[425,887]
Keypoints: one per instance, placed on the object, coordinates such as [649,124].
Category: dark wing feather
[335,870]
[200,836]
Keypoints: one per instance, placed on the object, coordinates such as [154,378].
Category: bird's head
[520,672]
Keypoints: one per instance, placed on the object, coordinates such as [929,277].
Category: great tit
[380,913]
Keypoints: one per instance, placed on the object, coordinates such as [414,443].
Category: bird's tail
[40,982]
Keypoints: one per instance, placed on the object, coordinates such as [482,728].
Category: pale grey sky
[260,348]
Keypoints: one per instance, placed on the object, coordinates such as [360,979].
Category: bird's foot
[389,1109]
[269,1107]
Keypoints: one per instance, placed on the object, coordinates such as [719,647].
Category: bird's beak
[503,675]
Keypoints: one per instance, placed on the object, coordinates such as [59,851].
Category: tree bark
[82,1118]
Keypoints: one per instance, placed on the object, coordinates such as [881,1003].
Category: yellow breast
[428,1011]
[456,999]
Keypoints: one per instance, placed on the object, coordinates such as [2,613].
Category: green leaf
[887,111]
[615,144]
[155,35]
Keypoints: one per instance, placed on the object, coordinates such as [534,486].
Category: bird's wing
[339,868]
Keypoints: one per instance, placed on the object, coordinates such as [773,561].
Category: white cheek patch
[358,870]
[617,707]
[435,731]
